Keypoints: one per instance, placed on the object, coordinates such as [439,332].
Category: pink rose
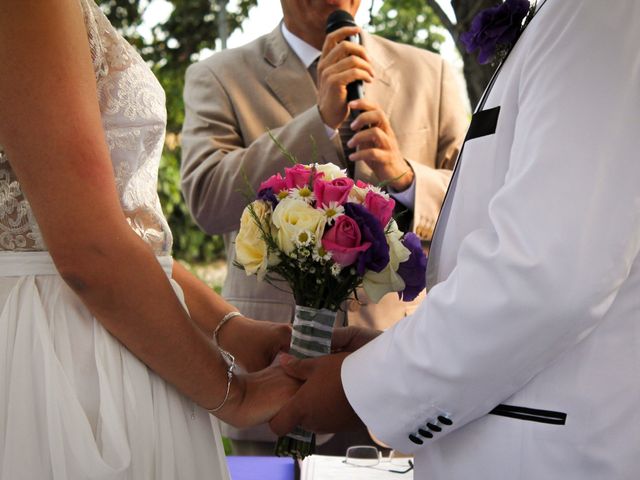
[275,182]
[336,190]
[380,207]
[361,184]
[297,176]
[343,241]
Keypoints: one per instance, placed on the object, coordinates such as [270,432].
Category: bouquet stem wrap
[311,337]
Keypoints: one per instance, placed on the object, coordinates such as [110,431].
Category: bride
[103,373]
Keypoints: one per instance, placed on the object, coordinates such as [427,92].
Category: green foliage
[189,242]
[409,21]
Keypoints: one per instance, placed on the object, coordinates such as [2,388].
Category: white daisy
[303,193]
[282,194]
[379,191]
[333,211]
[304,238]
[335,269]
[321,255]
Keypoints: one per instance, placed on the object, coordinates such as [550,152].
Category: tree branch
[442,15]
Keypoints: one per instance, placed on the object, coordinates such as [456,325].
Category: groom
[534,308]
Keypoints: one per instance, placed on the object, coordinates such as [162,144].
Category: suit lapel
[291,83]
[288,79]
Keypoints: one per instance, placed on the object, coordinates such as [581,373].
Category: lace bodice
[132,104]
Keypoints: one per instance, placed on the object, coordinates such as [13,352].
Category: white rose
[251,250]
[379,284]
[357,194]
[292,217]
[330,170]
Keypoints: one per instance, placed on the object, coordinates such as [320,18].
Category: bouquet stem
[311,337]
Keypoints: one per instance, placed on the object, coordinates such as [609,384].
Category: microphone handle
[355,90]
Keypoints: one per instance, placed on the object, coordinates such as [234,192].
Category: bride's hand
[254,343]
[261,396]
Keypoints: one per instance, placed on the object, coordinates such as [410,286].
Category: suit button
[433,427]
[445,421]
[416,440]
[425,433]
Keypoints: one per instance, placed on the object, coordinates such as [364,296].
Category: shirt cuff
[406,197]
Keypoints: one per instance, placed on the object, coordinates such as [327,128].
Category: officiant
[293,82]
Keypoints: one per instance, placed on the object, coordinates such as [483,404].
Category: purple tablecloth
[261,468]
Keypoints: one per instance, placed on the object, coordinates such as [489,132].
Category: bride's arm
[254,343]
[51,129]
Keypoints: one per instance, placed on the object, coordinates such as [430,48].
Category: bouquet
[325,235]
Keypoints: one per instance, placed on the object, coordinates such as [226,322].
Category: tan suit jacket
[233,97]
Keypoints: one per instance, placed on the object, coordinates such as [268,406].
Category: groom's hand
[320,405]
[255,343]
[351,338]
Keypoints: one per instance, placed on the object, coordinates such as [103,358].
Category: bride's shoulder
[109,50]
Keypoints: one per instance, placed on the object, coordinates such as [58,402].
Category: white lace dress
[74,402]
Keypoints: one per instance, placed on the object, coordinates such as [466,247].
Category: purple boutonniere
[494,30]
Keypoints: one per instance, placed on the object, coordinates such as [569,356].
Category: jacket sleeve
[563,236]
[219,166]
[432,182]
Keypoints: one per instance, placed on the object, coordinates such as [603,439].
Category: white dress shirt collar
[305,52]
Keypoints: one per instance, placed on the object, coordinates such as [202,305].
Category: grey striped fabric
[311,337]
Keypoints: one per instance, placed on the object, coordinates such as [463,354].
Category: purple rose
[376,257]
[413,270]
[495,27]
[267,195]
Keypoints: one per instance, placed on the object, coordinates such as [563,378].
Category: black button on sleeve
[433,427]
[415,439]
[445,421]
[425,433]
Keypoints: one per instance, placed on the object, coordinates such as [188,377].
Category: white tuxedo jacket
[535,274]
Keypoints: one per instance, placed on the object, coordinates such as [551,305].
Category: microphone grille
[338,19]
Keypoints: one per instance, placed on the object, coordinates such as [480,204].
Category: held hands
[341,63]
[258,397]
[320,405]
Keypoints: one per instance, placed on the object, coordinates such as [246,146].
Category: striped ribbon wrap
[311,337]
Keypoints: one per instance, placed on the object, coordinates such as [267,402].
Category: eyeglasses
[370,457]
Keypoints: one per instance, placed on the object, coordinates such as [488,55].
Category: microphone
[338,19]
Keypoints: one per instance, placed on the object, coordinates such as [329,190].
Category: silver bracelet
[228,358]
[224,320]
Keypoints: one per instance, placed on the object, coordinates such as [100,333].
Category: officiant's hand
[351,338]
[254,343]
[340,64]
[377,146]
[320,405]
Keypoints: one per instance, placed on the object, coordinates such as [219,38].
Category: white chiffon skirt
[76,404]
